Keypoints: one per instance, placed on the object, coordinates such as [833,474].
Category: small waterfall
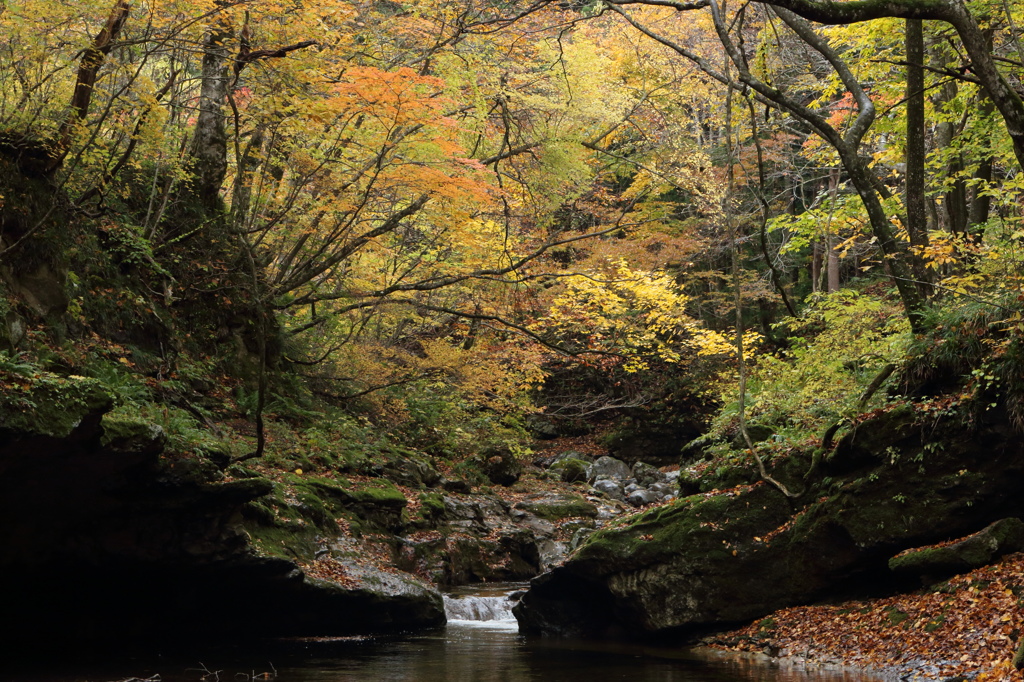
[490,609]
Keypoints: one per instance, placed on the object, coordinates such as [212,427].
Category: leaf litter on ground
[968,627]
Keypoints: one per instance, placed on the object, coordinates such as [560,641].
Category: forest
[291,283]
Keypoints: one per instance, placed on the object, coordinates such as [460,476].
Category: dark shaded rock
[456,485]
[218,453]
[481,542]
[381,601]
[251,596]
[571,470]
[931,564]
[663,489]
[646,475]
[639,498]
[477,513]
[867,445]
[695,449]
[501,466]
[608,467]
[541,428]
[712,560]
[758,433]
[657,444]
[411,472]
[566,608]
[572,454]
[110,540]
[512,556]
[687,484]
[42,289]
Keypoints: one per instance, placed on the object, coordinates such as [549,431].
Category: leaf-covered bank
[966,627]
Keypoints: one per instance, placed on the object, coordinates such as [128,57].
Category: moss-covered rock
[51,405]
[123,434]
[653,443]
[377,503]
[432,506]
[980,549]
[720,557]
[501,466]
[554,506]
[570,469]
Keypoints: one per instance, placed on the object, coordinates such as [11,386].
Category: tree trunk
[833,265]
[953,216]
[980,202]
[956,13]
[210,142]
[85,82]
[816,267]
[831,238]
[917,218]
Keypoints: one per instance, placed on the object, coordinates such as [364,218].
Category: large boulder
[109,538]
[731,555]
[653,443]
[647,475]
[501,466]
[570,470]
[608,467]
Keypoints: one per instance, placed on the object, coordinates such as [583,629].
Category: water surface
[467,650]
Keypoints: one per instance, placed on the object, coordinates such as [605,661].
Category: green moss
[239,471]
[1018,656]
[714,527]
[313,508]
[117,429]
[50,405]
[560,508]
[380,491]
[319,502]
[895,616]
[286,541]
[571,470]
[342,492]
[726,476]
[124,434]
[432,505]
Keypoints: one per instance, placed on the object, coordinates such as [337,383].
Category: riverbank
[968,627]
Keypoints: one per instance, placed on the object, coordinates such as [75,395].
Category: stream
[481,643]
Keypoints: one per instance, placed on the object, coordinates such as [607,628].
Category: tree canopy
[402,186]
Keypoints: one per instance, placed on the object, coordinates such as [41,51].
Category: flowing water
[480,644]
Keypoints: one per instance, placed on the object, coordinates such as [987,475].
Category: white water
[491,609]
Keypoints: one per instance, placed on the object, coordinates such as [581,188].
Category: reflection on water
[486,650]
[495,652]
